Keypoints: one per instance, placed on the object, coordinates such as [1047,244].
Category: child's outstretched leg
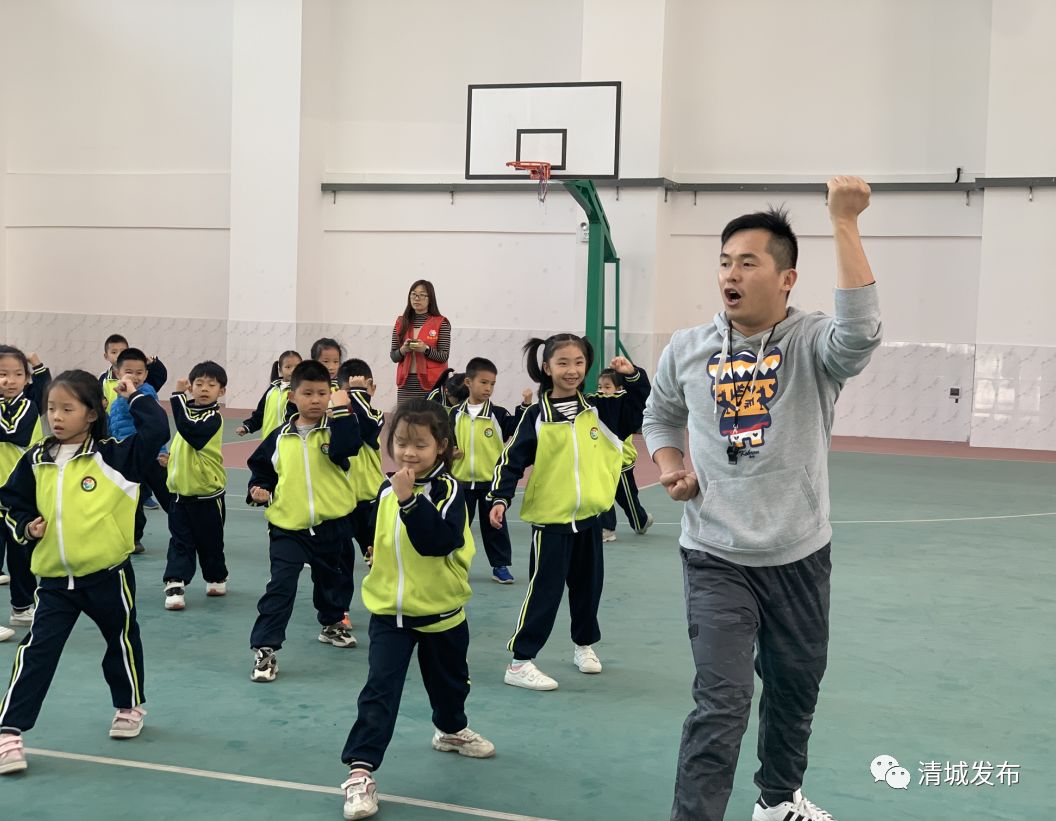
[288,558]
[36,659]
[332,584]
[627,498]
[23,583]
[442,658]
[379,703]
[111,604]
[548,569]
[586,576]
[497,544]
[209,522]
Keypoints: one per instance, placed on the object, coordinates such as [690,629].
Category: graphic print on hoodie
[743,392]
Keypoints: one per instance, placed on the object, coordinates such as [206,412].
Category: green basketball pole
[600,251]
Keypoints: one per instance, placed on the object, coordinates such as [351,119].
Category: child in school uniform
[609,384]
[481,430]
[364,471]
[20,428]
[273,409]
[415,591]
[71,499]
[450,389]
[157,374]
[132,362]
[301,473]
[575,444]
[328,352]
[197,481]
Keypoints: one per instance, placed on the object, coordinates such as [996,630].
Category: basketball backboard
[573,126]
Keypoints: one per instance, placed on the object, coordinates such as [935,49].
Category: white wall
[139,133]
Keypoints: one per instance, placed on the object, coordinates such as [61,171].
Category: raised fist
[848,197]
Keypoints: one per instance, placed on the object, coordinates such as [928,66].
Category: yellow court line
[285,785]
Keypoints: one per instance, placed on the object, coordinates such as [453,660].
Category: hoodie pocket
[764,512]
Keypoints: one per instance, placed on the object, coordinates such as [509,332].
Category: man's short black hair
[209,370]
[353,367]
[478,364]
[783,246]
[114,339]
[131,355]
[309,371]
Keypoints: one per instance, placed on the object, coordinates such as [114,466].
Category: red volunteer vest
[428,371]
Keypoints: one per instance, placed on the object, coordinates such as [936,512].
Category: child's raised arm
[134,456]
[622,412]
[345,436]
[370,419]
[18,421]
[436,523]
[197,429]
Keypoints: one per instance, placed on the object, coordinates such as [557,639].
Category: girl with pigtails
[574,443]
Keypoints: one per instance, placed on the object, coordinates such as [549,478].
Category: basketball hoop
[537,170]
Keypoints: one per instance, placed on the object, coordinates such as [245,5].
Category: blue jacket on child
[121,423]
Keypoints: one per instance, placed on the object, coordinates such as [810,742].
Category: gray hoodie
[770,504]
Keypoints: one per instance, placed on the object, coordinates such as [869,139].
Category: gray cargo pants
[773,621]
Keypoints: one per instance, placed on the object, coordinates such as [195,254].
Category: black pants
[359,530]
[23,582]
[627,498]
[445,674]
[290,551]
[557,560]
[496,542]
[157,478]
[110,602]
[770,621]
[196,531]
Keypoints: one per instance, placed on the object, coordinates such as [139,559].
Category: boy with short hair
[108,379]
[300,472]
[132,363]
[197,481]
[610,382]
[481,429]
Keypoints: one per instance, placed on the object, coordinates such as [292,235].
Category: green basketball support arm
[600,251]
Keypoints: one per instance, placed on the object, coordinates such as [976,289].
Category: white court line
[285,785]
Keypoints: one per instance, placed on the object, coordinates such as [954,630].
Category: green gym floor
[941,651]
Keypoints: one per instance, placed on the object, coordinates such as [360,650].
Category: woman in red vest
[421,342]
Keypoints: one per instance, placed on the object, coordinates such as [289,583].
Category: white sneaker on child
[216,588]
[361,795]
[608,535]
[12,754]
[648,524]
[5,579]
[174,596]
[798,809]
[22,618]
[6,633]
[528,676]
[584,657]
[464,742]
[127,723]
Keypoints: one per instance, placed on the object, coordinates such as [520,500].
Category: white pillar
[265,181]
[1015,378]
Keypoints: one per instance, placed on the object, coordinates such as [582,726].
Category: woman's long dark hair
[86,390]
[407,318]
[549,346]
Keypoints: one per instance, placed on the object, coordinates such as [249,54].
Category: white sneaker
[5,579]
[127,723]
[648,524]
[464,742]
[12,754]
[798,809]
[361,795]
[22,618]
[529,677]
[6,633]
[174,596]
[584,657]
[216,588]
[608,535]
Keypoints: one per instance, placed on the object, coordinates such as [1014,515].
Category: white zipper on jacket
[308,480]
[575,469]
[399,567]
[58,528]
[472,447]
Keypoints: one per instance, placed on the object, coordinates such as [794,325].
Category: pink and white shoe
[361,795]
[12,754]
[127,723]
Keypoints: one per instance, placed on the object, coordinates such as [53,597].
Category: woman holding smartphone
[421,343]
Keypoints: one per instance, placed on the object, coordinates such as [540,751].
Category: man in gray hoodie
[757,389]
